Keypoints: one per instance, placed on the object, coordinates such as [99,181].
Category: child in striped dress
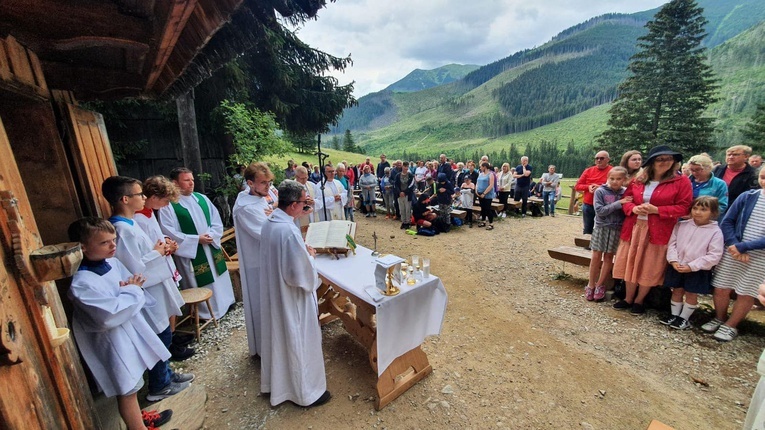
[743,263]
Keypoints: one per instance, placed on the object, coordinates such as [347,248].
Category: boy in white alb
[159,192]
[114,339]
[142,255]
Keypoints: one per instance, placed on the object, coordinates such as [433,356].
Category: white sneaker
[712,326]
[725,333]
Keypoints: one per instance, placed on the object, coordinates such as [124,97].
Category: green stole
[202,271]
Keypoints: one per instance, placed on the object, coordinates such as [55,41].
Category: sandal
[490,227]
[481,224]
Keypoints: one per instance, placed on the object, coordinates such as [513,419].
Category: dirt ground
[519,348]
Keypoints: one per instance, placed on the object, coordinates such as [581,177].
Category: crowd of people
[422,194]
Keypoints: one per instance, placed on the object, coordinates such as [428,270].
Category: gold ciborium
[390,289]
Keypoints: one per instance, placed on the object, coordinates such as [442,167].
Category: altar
[391,329]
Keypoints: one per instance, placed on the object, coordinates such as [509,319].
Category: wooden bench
[232,264]
[582,241]
[571,254]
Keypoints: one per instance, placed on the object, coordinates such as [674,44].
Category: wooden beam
[87,82]
[187,123]
[178,16]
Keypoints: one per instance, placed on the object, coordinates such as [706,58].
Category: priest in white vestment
[301,175]
[292,362]
[335,197]
[195,224]
[250,213]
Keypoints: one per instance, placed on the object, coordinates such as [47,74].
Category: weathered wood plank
[582,241]
[571,254]
[19,62]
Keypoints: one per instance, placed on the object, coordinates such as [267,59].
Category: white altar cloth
[404,320]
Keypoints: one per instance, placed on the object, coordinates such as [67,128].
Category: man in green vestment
[195,224]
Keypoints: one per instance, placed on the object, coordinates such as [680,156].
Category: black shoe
[637,309]
[183,339]
[403,226]
[154,419]
[622,305]
[180,353]
[322,400]
[680,324]
[470,225]
[668,320]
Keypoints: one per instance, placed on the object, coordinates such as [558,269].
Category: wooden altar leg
[402,374]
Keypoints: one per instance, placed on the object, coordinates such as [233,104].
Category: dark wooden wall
[163,151]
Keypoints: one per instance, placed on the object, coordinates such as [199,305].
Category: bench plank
[571,254]
[582,241]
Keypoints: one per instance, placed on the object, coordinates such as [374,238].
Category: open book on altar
[329,236]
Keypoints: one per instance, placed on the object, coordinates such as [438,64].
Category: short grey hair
[289,192]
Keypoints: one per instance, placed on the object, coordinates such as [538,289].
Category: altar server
[335,197]
[140,254]
[301,175]
[292,362]
[195,224]
[112,334]
[159,192]
[250,213]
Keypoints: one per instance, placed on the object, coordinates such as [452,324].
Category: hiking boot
[154,419]
[637,309]
[589,293]
[622,305]
[668,320]
[725,333]
[680,324]
[182,377]
[712,326]
[600,293]
[171,389]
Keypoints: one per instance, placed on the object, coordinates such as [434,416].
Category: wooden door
[41,387]
[91,155]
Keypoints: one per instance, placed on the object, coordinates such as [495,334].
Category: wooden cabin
[54,155]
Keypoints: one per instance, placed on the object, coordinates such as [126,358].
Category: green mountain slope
[537,89]
[740,65]
[423,79]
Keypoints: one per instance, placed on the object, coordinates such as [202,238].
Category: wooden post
[187,122]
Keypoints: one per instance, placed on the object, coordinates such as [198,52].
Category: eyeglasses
[664,159]
[330,171]
[136,194]
[601,158]
[300,201]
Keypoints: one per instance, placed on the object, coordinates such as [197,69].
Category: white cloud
[387,39]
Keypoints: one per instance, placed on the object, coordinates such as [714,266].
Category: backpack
[423,231]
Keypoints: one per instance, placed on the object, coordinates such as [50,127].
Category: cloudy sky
[387,39]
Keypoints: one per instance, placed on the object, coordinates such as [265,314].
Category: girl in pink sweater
[695,247]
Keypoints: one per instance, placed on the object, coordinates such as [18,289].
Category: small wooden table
[360,319]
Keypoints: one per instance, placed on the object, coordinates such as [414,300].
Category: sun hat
[661,150]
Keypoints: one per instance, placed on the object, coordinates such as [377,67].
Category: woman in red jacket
[659,197]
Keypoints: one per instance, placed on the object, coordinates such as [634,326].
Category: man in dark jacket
[445,167]
[737,174]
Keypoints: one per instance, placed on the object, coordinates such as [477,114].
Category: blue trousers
[588,216]
[160,374]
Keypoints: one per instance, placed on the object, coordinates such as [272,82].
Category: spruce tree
[349,145]
[670,87]
[754,132]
